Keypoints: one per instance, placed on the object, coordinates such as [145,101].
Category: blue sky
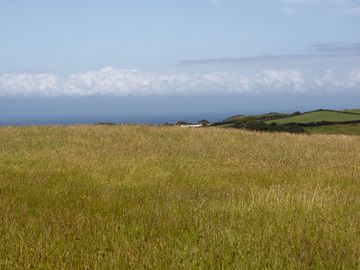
[179,47]
[74,36]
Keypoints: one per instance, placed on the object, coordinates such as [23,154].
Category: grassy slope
[351,129]
[134,197]
[357,111]
[317,116]
[240,118]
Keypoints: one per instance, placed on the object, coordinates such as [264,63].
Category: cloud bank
[118,82]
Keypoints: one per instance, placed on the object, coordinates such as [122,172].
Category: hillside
[132,197]
[357,111]
[317,116]
[313,122]
[241,118]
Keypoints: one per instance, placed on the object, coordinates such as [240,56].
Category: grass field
[348,129]
[317,116]
[241,118]
[357,111]
[120,197]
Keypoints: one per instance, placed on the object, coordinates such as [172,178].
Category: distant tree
[104,124]
[179,123]
[204,122]
[258,126]
[273,127]
[215,124]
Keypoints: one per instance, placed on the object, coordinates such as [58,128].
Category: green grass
[317,116]
[120,197]
[243,118]
[258,116]
[348,129]
[356,111]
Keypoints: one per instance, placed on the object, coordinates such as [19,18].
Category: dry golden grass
[120,197]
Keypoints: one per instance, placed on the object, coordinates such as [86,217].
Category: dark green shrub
[273,127]
[204,122]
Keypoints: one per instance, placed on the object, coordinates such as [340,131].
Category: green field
[121,197]
[348,129]
[317,116]
[357,111]
[241,118]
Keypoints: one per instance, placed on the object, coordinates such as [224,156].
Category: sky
[224,50]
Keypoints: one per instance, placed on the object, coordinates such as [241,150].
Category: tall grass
[120,197]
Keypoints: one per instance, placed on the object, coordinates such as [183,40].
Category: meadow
[138,197]
[356,111]
[318,116]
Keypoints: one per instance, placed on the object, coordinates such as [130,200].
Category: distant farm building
[191,126]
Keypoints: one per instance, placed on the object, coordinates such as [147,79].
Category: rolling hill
[356,111]
[312,122]
[318,116]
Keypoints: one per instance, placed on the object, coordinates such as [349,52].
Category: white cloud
[291,80]
[118,82]
[13,84]
[354,78]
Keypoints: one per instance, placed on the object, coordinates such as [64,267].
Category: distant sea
[116,119]
[156,109]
